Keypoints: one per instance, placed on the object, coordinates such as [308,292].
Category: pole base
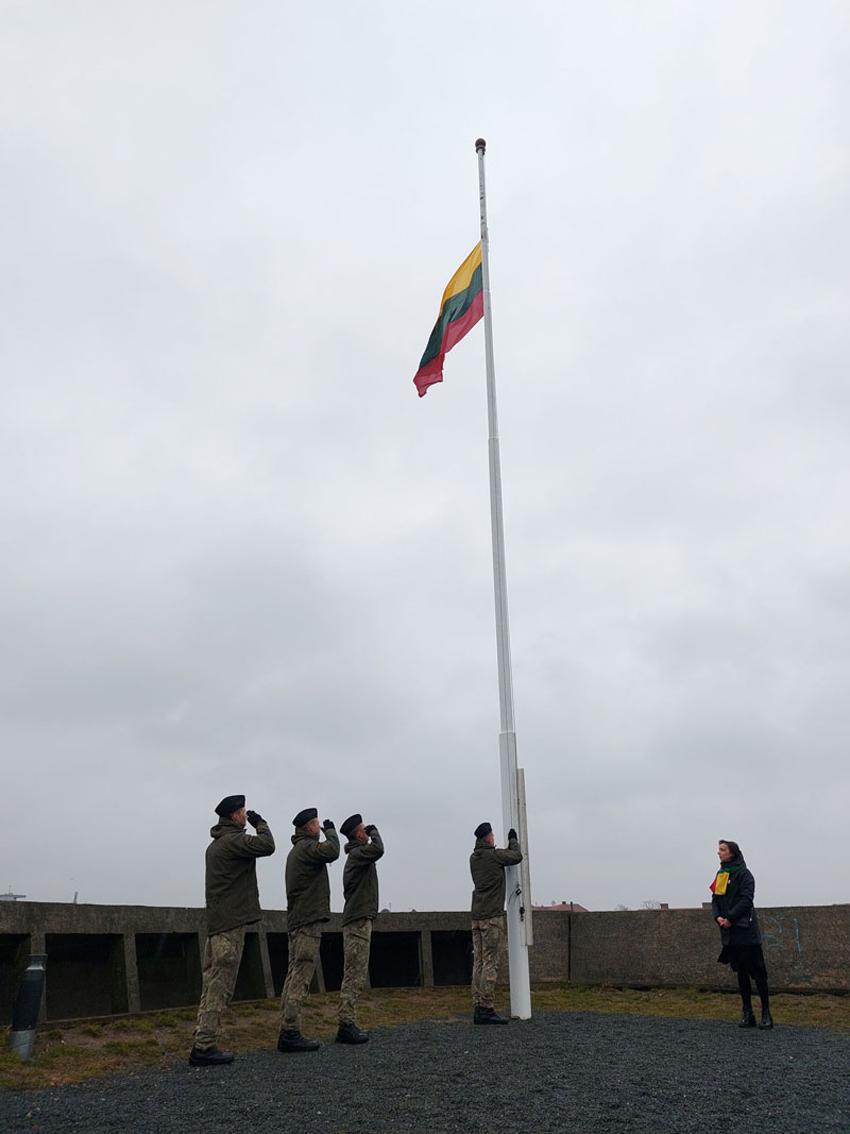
[22,1043]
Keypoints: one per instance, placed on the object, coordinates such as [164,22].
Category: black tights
[760,977]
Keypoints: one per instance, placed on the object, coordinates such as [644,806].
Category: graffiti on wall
[781,931]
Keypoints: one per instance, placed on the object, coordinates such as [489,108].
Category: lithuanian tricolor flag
[720,883]
[460,310]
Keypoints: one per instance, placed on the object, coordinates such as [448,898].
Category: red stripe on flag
[432,372]
[455,331]
[429,374]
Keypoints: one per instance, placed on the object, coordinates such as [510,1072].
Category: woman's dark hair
[733,847]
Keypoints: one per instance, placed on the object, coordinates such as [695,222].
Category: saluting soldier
[308,906]
[360,890]
[487,864]
[233,901]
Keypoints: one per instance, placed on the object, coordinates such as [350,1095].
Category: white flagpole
[518,902]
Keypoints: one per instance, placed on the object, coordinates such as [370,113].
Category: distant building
[570,907]
[10,897]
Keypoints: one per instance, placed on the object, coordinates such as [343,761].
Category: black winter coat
[737,905]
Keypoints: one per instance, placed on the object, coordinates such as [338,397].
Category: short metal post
[25,1016]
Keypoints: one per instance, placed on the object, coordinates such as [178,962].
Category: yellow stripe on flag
[462,278]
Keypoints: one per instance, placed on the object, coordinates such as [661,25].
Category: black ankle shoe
[489,1016]
[212,1057]
[766,1019]
[294,1041]
[748,1020]
[350,1033]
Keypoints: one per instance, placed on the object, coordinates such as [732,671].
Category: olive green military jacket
[308,889]
[488,877]
[360,878]
[231,876]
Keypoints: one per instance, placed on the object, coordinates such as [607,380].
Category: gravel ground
[560,1072]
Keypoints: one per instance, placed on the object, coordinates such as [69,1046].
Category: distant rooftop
[570,907]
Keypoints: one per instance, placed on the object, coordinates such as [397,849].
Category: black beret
[482,829]
[351,822]
[304,817]
[229,804]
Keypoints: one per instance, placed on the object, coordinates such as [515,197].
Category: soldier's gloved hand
[254,818]
[369,828]
[512,834]
[328,825]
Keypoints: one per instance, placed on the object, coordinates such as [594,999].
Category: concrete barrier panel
[250,981]
[278,958]
[549,956]
[394,960]
[14,953]
[169,969]
[86,975]
[332,962]
[451,950]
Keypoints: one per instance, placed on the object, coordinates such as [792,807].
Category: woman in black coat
[733,891]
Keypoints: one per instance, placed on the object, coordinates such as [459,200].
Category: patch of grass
[691,1003]
[125,1025]
[86,1050]
[145,1051]
[148,1022]
[251,1008]
[166,1020]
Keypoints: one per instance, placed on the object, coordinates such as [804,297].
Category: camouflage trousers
[304,946]
[487,936]
[221,965]
[356,939]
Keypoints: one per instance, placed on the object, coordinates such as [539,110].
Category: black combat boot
[489,1016]
[350,1033]
[766,1018]
[748,1020]
[212,1057]
[294,1041]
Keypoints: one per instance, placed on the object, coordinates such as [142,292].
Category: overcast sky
[241,554]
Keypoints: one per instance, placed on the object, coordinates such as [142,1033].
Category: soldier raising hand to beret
[308,907]
[360,889]
[233,902]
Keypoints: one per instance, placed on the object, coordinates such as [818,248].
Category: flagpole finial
[480,145]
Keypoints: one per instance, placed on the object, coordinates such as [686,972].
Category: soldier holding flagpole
[487,864]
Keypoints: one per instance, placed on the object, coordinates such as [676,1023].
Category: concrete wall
[104,960]
[805,947]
